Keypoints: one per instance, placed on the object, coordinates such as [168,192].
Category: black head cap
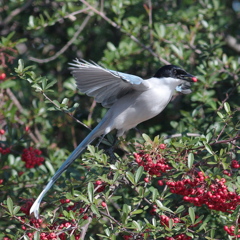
[174,72]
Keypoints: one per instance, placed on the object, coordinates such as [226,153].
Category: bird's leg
[110,150]
[137,130]
[100,140]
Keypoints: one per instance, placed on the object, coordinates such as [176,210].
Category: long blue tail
[96,132]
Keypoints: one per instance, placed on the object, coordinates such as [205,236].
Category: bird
[129,98]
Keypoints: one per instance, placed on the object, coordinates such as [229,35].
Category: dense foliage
[178,180]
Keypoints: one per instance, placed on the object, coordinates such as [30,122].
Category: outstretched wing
[106,86]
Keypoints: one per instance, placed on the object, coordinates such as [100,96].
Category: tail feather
[96,132]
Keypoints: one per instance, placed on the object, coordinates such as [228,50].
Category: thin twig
[110,217]
[22,222]
[69,114]
[21,110]
[15,100]
[94,103]
[69,43]
[16,12]
[70,16]
[84,228]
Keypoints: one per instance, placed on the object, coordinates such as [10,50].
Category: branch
[84,228]
[16,12]
[115,25]
[69,114]
[21,110]
[111,218]
[70,16]
[69,43]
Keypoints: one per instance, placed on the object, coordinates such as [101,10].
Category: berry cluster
[55,229]
[164,220]
[63,201]
[26,207]
[55,234]
[226,172]
[30,157]
[235,164]
[179,237]
[153,162]
[198,191]
[5,150]
[230,230]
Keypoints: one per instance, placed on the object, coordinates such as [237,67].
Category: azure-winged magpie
[130,99]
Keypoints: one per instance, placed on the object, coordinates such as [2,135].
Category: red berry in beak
[194,79]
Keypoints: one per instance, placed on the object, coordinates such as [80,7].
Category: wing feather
[106,86]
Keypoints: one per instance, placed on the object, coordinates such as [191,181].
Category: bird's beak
[188,77]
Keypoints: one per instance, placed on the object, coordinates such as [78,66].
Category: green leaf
[146,138]
[160,205]
[130,177]
[179,209]
[212,233]
[107,231]
[137,225]
[36,235]
[126,208]
[65,101]
[90,191]
[16,210]
[31,22]
[137,212]
[83,198]
[208,148]
[227,107]
[10,205]
[138,174]
[191,214]
[170,223]
[190,160]
[20,65]
[51,84]
[44,83]
[154,194]
[7,84]
[220,115]
[50,167]
[95,210]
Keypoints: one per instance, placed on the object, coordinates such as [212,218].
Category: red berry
[27,129]
[103,204]
[24,228]
[2,76]
[2,131]
[160,183]
[98,182]
[52,235]
[146,180]
[162,146]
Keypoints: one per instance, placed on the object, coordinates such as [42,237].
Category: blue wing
[106,86]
